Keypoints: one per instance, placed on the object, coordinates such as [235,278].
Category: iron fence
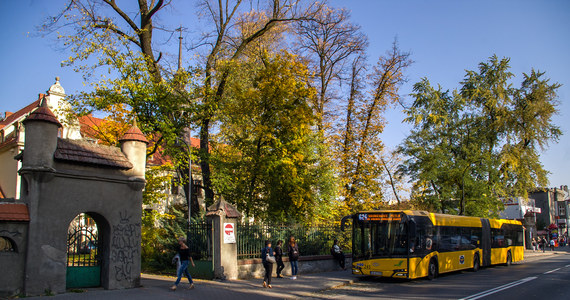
[200,240]
[311,240]
[82,246]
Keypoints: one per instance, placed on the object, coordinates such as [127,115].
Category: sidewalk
[158,287]
[533,255]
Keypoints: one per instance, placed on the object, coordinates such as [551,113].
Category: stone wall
[253,268]
[13,263]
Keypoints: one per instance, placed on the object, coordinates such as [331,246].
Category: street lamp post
[189,192]
[189,179]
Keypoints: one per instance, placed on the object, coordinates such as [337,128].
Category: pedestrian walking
[267,258]
[185,258]
[279,258]
[543,244]
[338,254]
[533,244]
[551,244]
[293,252]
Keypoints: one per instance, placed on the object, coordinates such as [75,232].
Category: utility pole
[180,29]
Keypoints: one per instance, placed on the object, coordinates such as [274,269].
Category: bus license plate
[376,273]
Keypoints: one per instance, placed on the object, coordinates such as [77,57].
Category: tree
[266,163]
[470,149]
[165,101]
[229,46]
[360,148]
[328,41]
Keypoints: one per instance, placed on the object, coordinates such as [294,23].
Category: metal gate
[83,257]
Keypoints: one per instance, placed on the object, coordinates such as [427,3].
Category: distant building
[549,200]
[62,179]
[12,136]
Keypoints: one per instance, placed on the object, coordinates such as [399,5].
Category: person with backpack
[336,252]
[293,252]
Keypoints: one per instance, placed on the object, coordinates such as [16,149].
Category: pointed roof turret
[222,207]
[134,134]
[43,113]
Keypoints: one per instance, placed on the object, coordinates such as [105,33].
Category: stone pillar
[45,255]
[223,214]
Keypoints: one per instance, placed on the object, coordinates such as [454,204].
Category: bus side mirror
[343,221]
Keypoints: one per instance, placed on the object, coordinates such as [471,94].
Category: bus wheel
[509,259]
[476,263]
[432,269]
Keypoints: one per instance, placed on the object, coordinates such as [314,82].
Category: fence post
[224,217]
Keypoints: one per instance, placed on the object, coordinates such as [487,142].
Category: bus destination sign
[383,217]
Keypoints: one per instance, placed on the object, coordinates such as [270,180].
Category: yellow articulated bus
[413,244]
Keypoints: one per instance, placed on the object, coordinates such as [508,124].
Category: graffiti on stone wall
[125,246]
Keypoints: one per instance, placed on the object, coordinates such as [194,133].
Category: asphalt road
[544,278]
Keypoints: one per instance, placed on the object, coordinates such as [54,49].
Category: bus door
[486,242]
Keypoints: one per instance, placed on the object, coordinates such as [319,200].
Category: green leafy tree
[471,148]
[267,162]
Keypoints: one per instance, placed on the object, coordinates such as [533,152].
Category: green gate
[83,257]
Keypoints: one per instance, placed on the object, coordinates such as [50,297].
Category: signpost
[229,233]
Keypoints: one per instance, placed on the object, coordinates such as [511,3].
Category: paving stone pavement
[158,287]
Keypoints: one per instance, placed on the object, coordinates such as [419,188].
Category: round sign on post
[229,233]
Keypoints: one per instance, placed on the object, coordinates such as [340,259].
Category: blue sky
[444,37]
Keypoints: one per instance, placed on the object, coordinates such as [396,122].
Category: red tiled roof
[89,125]
[14,212]
[134,134]
[80,151]
[17,115]
[22,112]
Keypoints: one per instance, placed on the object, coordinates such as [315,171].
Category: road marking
[551,271]
[566,266]
[498,289]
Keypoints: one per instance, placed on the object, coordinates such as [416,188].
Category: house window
[6,245]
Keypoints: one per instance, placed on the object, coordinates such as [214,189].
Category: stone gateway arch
[61,180]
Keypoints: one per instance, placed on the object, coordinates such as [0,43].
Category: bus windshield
[379,235]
